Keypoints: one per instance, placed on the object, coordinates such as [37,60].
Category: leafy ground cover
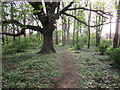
[94,70]
[30,70]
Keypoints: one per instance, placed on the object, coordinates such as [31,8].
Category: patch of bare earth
[68,76]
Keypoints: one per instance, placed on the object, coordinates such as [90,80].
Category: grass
[29,70]
[94,70]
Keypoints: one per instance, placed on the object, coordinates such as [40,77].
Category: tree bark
[89,17]
[56,32]
[116,37]
[74,13]
[98,31]
[3,39]
[47,46]
[12,17]
[47,32]
[64,27]
[115,41]
[110,27]
[77,47]
[68,33]
[97,38]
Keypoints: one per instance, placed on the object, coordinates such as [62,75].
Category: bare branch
[100,12]
[18,34]
[84,22]
[35,28]
[65,8]
[24,27]
[13,21]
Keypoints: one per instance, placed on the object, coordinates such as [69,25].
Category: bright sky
[106,28]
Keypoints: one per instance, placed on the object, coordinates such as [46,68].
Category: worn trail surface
[68,76]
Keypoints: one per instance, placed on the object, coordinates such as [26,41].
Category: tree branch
[18,34]
[84,22]
[35,28]
[100,12]
[36,6]
[24,27]
[65,8]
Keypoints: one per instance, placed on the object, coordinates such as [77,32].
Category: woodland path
[68,76]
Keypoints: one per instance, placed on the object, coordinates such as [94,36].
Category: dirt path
[68,76]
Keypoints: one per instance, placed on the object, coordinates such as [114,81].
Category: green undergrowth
[30,70]
[94,70]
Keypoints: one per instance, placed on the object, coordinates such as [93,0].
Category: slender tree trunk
[97,38]
[74,34]
[24,21]
[77,40]
[88,37]
[89,29]
[110,26]
[12,17]
[98,31]
[3,40]
[64,27]
[6,37]
[56,32]
[115,41]
[74,13]
[116,37]
[68,33]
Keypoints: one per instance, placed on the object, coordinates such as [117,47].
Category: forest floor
[68,68]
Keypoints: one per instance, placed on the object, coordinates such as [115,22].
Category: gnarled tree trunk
[47,33]
[47,46]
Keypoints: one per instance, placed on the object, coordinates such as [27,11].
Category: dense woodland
[55,44]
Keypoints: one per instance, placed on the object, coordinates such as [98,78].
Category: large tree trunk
[47,46]
[48,28]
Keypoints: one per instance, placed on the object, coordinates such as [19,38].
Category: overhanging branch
[18,34]
[35,28]
[99,12]
[24,27]
[65,8]
[83,21]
